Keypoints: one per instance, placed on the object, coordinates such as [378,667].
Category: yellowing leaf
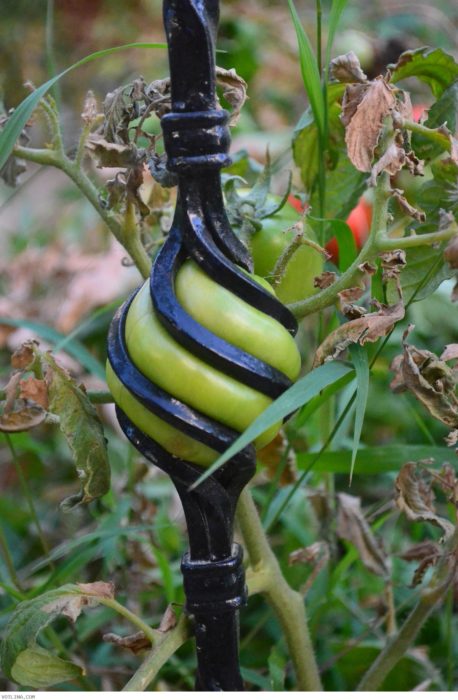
[83,431]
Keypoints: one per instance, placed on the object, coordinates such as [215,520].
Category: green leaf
[83,431]
[72,347]
[309,70]
[444,111]
[306,148]
[420,266]
[37,667]
[439,193]
[432,66]
[16,122]
[297,395]
[312,406]
[374,460]
[361,363]
[277,669]
[25,662]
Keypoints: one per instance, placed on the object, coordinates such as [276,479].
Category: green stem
[162,651]
[266,578]
[59,160]
[151,634]
[385,243]
[9,563]
[432,134]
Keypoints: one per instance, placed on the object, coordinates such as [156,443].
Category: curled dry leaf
[407,207]
[427,554]
[347,69]
[114,155]
[25,355]
[273,454]
[450,352]
[366,329]
[22,419]
[391,161]
[452,438]
[324,280]
[414,497]
[317,555]
[234,91]
[352,526]
[429,379]
[364,108]
[90,111]
[86,595]
[136,643]
[36,390]
[168,621]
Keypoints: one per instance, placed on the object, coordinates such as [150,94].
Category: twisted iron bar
[197,141]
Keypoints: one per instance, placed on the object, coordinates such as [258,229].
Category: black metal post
[197,141]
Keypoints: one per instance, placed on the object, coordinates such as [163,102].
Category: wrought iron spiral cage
[197,139]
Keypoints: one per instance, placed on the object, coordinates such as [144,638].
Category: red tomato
[359,221]
[418,111]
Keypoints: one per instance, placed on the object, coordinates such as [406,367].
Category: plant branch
[151,634]
[59,160]
[432,134]
[385,243]
[430,597]
[167,645]
[265,577]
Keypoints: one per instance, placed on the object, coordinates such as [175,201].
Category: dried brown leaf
[11,392]
[114,155]
[414,498]
[24,356]
[90,111]
[72,605]
[452,438]
[391,162]
[136,643]
[272,454]
[324,280]
[352,526]
[36,390]
[317,555]
[234,91]
[22,419]
[408,208]
[364,108]
[347,69]
[429,379]
[366,329]
[450,352]
[169,620]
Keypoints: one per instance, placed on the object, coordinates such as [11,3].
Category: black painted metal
[197,141]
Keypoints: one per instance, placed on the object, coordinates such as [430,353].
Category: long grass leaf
[16,122]
[361,364]
[335,14]
[293,398]
[309,70]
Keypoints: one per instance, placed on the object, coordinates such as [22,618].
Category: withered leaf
[114,155]
[450,352]
[22,419]
[352,526]
[136,643]
[324,280]
[415,499]
[429,379]
[391,161]
[90,112]
[25,355]
[452,438]
[234,91]
[84,595]
[427,553]
[347,69]
[366,329]
[272,454]
[168,621]
[317,555]
[408,208]
[83,431]
[364,108]
[32,389]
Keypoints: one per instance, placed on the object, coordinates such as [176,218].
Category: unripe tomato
[268,244]
[191,380]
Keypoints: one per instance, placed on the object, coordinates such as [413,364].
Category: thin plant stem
[151,634]
[162,651]
[9,563]
[28,497]
[288,604]
[431,134]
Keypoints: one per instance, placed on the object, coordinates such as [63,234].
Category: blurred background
[61,271]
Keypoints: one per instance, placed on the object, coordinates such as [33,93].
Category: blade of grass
[309,70]
[10,134]
[50,55]
[297,395]
[335,14]
[361,364]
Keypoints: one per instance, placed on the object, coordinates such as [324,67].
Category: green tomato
[268,244]
[191,380]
